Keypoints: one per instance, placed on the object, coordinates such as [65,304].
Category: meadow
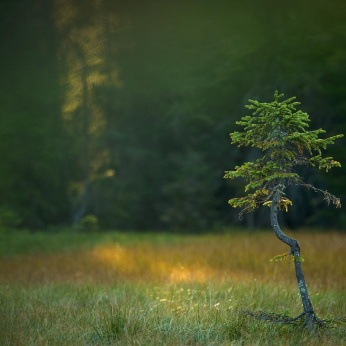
[117,288]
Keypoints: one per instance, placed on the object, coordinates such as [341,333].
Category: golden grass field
[161,289]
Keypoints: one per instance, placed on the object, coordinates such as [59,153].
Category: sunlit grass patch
[232,257]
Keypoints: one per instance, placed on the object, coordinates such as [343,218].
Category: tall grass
[164,290]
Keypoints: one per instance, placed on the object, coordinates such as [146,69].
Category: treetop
[280,131]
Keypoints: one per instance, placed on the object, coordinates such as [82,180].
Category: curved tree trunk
[295,251]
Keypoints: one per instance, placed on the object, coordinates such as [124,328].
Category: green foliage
[280,257]
[279,130]
[286,256]
[9,218]
[299,259]
[89,223]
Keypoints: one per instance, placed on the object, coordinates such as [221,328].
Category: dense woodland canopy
[123,109]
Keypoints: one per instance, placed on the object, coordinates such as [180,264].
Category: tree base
[312,323]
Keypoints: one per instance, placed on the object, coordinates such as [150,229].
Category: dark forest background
[123,109]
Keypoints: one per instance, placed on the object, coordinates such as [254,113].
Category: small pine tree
[279,130]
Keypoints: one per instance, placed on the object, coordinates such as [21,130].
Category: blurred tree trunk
[81,206]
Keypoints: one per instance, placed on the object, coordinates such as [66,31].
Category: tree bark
[310,317]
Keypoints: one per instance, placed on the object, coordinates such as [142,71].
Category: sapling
[279,130]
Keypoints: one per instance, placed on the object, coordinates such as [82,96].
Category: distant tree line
[123,109]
